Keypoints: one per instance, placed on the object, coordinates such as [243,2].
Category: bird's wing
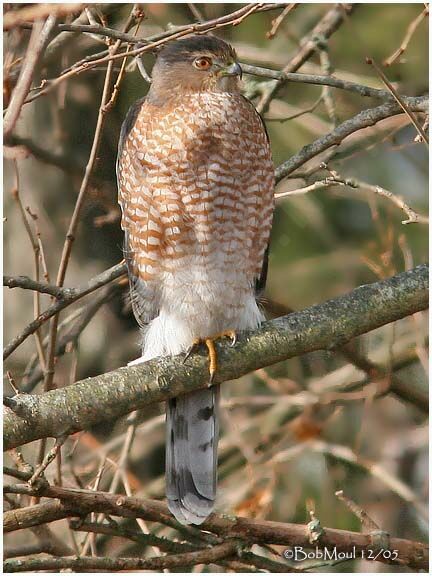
[130,178]
[261,280]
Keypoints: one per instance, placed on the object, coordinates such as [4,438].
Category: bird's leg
[209,342]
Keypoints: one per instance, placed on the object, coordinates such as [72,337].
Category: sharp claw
[233,340]
[189,351]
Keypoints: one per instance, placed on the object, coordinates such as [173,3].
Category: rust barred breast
[196,179]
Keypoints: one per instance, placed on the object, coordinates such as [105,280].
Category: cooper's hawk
[196,180]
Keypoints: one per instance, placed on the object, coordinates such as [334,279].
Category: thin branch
[27,283]
[38,39]
[327,94]
[139,537]
[70,236]
[37,257]
[361,514]
[61,40]
[324,326]
[413,216]
[12,383]
[70,334]
[27,550]
[407,38]
[109,564]
[278,21]
[15,18]
[196,12]
[232,19]
[70,295]
[50,456]
[319,80]
[362,120]
[325,28]
[336,180]
[298,114]
[319,185]
[400,101]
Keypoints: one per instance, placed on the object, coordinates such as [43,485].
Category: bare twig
[231,19]
[311,108]
[336,179]
[70,331]
[12,382]
[38,39]
[407,38]
[328,24]
[278,21]
[70,236]
[361,514]
[319,80]
[196,12]
[319,185]
[364,119]
[400,101]
[49,457]
[70,295]
[326,92]
[15,18]
[35,244]
[413,216]
[27,283]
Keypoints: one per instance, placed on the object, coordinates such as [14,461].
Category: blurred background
[295,433]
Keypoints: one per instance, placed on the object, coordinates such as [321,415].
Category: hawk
[195,179]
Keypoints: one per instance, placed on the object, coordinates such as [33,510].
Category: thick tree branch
[323,326]
[79,503]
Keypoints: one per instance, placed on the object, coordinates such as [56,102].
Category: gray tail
[191,454]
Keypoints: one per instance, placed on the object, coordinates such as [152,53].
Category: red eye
[202,63]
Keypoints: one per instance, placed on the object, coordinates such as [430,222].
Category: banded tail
[191,454]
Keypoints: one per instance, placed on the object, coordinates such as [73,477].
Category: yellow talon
[229,334]
[209,342]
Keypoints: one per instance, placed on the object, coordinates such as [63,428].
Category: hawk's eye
[202,63]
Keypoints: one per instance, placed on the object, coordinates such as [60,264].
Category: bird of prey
[196,180]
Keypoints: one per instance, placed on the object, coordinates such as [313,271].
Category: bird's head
[196,64]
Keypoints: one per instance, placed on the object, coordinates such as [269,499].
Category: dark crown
[184,49]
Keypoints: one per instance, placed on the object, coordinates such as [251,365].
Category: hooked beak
[233,69]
